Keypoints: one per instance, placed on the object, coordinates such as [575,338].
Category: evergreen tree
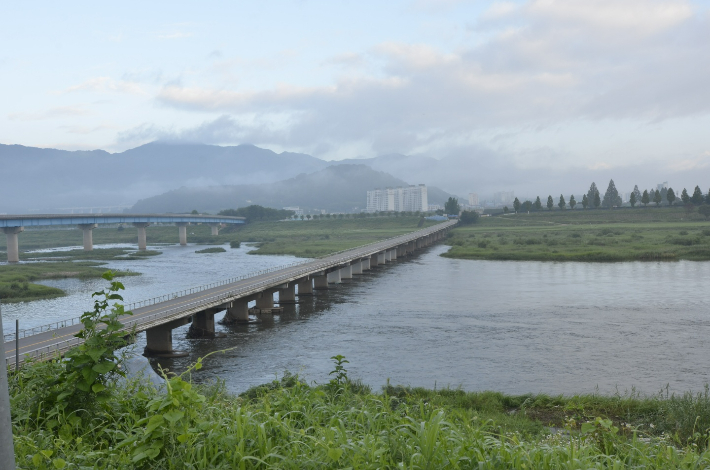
[527,206]
[452,207]
[611,197]
[664,195]
[538,204]
[597,200]
[651,194]
[707,197]
[670,196]
[585,201]
[516,205]
[645,199]
[697,197]
[657,198]
[590,194]
[632,199]
[572,202]
[684,196]
[550,203]
[637,193]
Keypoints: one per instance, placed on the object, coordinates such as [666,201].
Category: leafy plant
[91,364]
[340,372]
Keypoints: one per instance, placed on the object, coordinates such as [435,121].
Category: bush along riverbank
[83,413]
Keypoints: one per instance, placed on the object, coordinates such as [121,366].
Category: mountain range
[51,180]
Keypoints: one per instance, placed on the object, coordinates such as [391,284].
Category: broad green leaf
[59,463]
[95,354]
[335,453]
[182,438]
[174,415]
[153,423]
[96,388]
[47,453]
[104,367]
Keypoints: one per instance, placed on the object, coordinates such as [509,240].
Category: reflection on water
[516,327]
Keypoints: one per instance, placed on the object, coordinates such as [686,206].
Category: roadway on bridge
[188,304]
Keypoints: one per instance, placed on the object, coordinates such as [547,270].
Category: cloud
[175,35]
[59,112]
[107,85]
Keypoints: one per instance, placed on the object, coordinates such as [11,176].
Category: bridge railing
[175,295]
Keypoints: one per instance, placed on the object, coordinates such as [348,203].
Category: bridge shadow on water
[238,342]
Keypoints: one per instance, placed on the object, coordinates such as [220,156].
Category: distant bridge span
[12,225]
[160,315]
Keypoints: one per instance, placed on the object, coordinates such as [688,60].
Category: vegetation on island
[216,249]
[82,412]
[664,233]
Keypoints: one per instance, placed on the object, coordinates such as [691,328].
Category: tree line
[593,199]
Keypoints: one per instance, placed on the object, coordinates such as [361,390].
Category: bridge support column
[203,324]
[182,232]
[393,253]
[288,295]
[142,240]
[265,300]
[305,287]
[238,312]
[159,340]
[356,267]
[374,259]
[215,229]
[366,264]
[334,277]
[88,235]
[381,258]
[320,282]
[13,247]
[346,272]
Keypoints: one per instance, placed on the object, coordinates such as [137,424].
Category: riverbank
[642,234]
[343,424]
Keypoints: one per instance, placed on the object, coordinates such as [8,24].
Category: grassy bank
[593,235]
[290,425]
[17,281]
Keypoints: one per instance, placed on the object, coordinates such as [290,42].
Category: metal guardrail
[220,297]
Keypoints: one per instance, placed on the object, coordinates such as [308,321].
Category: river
[514,327]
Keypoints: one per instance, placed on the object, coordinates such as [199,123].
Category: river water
[515,327]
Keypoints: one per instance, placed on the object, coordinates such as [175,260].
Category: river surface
[515,327]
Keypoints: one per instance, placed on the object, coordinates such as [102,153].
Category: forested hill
[337,188]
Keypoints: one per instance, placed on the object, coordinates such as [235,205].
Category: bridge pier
[393,253]
[373,259]
[346,272]
[356,267]
[202,325]
[237,312]
[334,277]
[381,259]
[320,282]
[265,300]
[13,247]
[288,295]
[305,287]
[365,264]
[159,340]
[182,232]
[215,229]
[88,235]
[142,239]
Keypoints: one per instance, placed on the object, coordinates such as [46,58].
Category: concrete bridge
[12,225]
[160,315]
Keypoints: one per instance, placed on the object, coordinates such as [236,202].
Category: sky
[568,85]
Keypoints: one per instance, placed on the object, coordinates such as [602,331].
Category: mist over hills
[337,188]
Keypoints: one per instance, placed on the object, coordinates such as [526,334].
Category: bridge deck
[61,339]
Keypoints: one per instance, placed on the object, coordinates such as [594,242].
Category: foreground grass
[17,281]
[290,425]
[592,235]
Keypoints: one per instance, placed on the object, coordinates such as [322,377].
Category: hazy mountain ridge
[337,188]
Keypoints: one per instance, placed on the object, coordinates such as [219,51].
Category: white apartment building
[503,197]
[410,199]
[472,199]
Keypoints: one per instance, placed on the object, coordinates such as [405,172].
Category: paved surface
[75,219]
[168,308]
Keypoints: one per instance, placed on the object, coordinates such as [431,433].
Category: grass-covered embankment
[17,280]
[290,425]
[642,234]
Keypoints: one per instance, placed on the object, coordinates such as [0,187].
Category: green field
[642,234]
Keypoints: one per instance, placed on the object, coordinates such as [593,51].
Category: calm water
[429,321]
